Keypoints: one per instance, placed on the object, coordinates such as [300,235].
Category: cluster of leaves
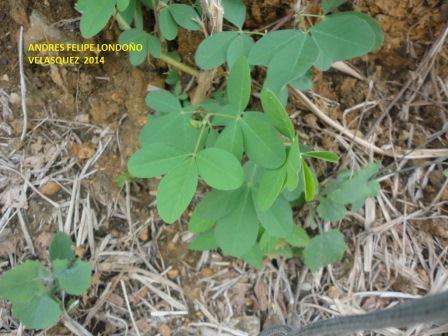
[248,213]
[289,54]
[32,288]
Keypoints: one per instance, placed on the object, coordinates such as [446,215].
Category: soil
[89,107]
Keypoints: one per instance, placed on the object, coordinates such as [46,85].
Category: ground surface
[82,125]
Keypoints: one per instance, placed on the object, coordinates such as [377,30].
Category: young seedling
[35,290]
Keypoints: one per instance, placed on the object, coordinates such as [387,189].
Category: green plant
[253,162]
[33,288]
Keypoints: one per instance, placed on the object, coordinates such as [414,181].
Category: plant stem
[198,142]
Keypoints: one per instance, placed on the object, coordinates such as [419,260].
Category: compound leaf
[234,12]
[176,190]
[122,5]
[150,44]
[322,155]
[326,248]
[276,112]
[298,237]
[293,166]
[95,16]
[167,25]
[73,278]
[155,159]
[239,84]
[41,312]
[212,52]
[274,247]
[220,169]
[237,232]
[331,211]
[185,16]
[262,144]
[277,220]
[231,139]
[22,282]
[61,247]
[163,101]
[329,5]
[254,257]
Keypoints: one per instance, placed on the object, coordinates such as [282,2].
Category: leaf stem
[198,142]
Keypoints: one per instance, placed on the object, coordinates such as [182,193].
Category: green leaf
[293,61]
[128,13]
[239,47]
[150,44]
[322,155]
[239,84]
[254,257]
[61,247]
[220,169]
[176,190]
[271,44]
[304,82]
[330,210]
[326,248]
[185,16]
[298,237]
[74,278]
[263,146]
[39,313]
[343,37]
[122,5]
[203,242]
[215,205]
[295,194]
[234,12]
[155,160]
[237,232]
[167,25]
[293,166]
[163,102]
[271,185]
[374,25]
[309,181]
[274,247]
[277,220]
[95,16]
[161,130]
[277,113]
[329,5]
[231,139]
[212,52]
[22,282]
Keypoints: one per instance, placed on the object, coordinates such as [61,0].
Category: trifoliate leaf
[304,82]
[163,102]
[322,155]
[122,5]
[331,211]
[185,16]
[23,282]
[298,237]
[212,52]
[329,5]
[237,232]
[39,313]
[73,278]
[234,12]
[277,220]
[220,169]
[95,16]
[324,249]
[167,25]
[262,144]
[176,190]
[293,166]
[155,160]
[274,247]
[150,44]
[62,247]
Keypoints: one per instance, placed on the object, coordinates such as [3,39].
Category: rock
[50,188]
